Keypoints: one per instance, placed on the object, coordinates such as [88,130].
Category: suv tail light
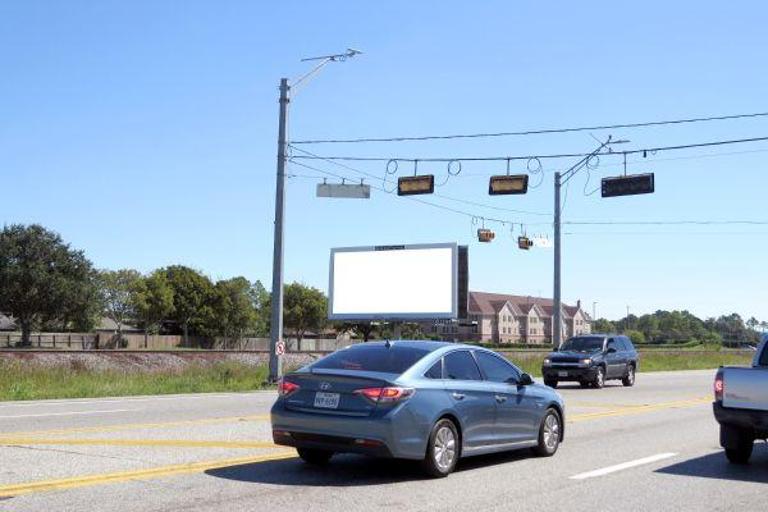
[386,395]
[719,386]
[286,387]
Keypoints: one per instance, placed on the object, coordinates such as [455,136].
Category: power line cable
[527,157]
[384,180]
[534,132]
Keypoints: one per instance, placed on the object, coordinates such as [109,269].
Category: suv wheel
[599,381]
[629,379]
[442,449]
[315,457]
[550,433]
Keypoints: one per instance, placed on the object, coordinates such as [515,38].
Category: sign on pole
[280,348]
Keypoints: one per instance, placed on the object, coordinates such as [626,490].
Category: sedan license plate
[327,400]
[562,374]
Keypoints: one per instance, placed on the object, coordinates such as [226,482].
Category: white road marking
[73,413]
[623,466]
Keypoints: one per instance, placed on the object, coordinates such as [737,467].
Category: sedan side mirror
[525,380]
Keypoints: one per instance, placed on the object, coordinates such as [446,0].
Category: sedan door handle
[458,396]
[501,399]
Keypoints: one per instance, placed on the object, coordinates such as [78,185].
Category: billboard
[400,282]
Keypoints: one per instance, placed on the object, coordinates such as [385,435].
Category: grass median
[20,380]
[655,361]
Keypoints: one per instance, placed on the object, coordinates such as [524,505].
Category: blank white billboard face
[417,282]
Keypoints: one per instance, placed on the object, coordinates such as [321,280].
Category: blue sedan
[422,400]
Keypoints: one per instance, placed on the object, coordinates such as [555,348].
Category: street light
[276,330]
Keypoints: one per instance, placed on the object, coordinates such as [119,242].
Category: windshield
[583,344]
[373,358]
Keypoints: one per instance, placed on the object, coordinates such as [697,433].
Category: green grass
[20,382]
[651,361]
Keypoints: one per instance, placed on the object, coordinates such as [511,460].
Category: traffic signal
[413,185]
[525,243]
[505,185]
[485,235]
[628,185]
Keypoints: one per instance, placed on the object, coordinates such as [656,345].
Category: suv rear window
[373,358]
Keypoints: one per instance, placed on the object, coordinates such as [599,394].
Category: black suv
[591,359]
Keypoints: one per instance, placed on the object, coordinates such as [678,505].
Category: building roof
[485,303]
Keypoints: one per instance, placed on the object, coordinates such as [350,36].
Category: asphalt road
[651,447]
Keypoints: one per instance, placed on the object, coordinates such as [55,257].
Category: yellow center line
[639,409]
[137,426]
[33,441]
[123,476]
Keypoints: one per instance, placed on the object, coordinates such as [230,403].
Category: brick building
[500,318]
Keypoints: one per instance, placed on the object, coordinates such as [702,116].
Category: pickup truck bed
[741,405]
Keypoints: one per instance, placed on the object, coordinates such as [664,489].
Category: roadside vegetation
[21,381]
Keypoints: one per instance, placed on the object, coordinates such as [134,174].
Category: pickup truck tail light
[719,386]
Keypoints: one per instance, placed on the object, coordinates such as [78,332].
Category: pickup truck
[741,405]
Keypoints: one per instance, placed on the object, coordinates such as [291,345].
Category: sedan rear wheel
[314,456]
[550,433]
[442,449]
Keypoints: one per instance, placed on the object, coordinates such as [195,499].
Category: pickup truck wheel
[550,382]
[741,451]
[599,381]
[629,379]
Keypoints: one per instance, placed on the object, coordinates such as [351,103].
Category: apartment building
[501,318]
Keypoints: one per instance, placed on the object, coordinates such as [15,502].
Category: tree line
[677,327]
[45,285]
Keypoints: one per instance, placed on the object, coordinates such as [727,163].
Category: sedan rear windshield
[373,358]
[583,344]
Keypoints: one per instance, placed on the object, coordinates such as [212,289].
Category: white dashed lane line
[622,466]
[72,413]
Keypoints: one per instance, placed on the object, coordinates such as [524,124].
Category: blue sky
[144,132]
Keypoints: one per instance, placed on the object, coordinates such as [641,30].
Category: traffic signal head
[525,243]
[485,235]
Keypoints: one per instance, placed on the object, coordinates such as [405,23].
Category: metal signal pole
[276,327]
[560,180]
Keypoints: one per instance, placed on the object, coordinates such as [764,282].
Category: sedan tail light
[386,395]
[286,387]
[719,386]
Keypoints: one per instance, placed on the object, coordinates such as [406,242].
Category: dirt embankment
[145,362]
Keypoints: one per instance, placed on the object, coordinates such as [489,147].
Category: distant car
[430,401]
[592,359]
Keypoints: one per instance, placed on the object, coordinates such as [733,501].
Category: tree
[116,289]
[192,294]
[41,277]
[603,326]
[637,337]
[260,298]
[305,309]
[152,302]
[234,314]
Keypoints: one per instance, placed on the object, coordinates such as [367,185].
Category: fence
[96,341]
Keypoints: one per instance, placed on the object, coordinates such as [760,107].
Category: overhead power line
[669,223]
[534,132]
[527,157]
[384,180]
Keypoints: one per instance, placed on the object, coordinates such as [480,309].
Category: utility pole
[276,327]
[560,180]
